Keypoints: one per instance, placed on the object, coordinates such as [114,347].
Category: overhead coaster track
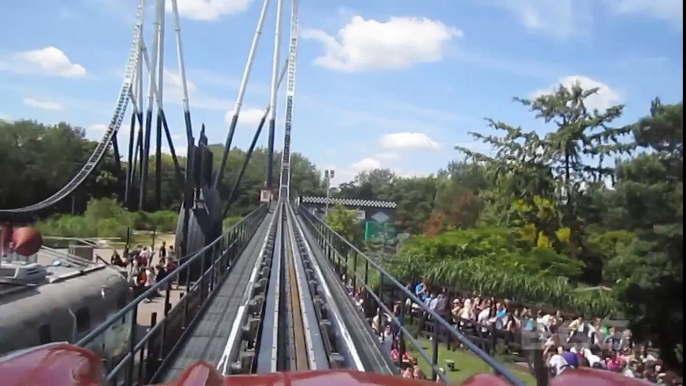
[131,90]
[110,134]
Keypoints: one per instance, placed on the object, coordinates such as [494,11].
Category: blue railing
[341,252]
[146,356]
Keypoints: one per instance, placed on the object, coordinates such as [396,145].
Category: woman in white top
[467,312]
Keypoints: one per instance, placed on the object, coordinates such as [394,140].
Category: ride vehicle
[61,364]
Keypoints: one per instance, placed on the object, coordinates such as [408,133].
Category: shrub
[230,221]
[106,218]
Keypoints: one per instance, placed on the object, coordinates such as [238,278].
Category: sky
[379,83]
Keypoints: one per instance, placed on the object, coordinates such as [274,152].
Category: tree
[415,202]
[377,184]
[649,189]
[345,223]
[37,160]
[556,167]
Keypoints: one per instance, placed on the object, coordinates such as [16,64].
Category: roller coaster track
[289,324]
[110,134]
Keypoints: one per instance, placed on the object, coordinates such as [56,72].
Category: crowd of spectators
[567,341]
[145,267]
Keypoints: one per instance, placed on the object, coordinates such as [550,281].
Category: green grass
[466,363]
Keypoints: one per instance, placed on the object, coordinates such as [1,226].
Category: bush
[110,227]
[230,221]
[67,226]
[106,218]
[491,262]
[162,221]
[165,220]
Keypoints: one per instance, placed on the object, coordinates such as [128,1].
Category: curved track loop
[110,134]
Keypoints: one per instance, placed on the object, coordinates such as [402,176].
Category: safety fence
[144,358]
[348,259]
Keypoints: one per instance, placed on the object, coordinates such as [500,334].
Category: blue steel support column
[131,167]
[241,94]
[188,183]
[272,99]
[148,115]
[158,136]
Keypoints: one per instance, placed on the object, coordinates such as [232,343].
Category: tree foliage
[37,160]
[345,223]
[543,215]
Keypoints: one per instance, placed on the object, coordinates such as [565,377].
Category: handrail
[113,319]
[237,236]
[385,276]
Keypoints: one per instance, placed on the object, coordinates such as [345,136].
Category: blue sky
[380,83]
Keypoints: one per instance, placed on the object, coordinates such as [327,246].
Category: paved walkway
[145,310]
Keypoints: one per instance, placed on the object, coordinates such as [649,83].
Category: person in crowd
[483,318]
[408,372]
[455,312]
[150,280]
[626,370]
[161,272]
[395,354]
[360,299]
[442,305]
[387,339]
[557,363]
[433,302]
[116,259]
[421,291]
[378,320]
[512,324]
[613,340]
[500,315]
[163,253]
[466,315]
[134,271]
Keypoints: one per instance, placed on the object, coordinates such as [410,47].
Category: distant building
[376,217]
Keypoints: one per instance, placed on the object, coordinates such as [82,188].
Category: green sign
[374,231]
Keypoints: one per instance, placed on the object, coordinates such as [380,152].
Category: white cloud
[210,10]
[42,104]
[249,116]
[671,10]
[373,45]
[349,172]
[174,85]
[366,164]
[45,61]
[603,99]
[6,117]
[560,18]
[409,141]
